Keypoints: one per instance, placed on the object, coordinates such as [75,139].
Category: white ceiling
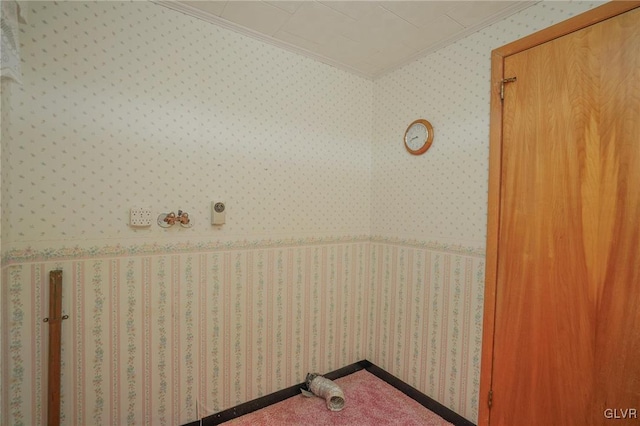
[369,38]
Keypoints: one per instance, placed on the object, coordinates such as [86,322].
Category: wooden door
[566,342]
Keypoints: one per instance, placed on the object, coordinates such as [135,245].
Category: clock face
[418,137]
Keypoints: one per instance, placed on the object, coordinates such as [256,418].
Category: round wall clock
[418,137]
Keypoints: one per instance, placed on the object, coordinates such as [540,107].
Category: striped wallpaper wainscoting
[165,338]
[426,306]
[162,338]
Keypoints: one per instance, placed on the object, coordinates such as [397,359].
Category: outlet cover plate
[140,217]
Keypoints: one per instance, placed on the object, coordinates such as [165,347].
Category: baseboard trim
[281,395]
[424,400]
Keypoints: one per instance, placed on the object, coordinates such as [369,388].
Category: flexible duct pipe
[326,389]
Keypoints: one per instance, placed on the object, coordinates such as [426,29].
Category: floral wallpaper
[166,339]
[136,105]
[338,245]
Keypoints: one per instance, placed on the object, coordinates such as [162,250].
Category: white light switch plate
[140,217]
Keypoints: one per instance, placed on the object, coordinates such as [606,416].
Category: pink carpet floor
[368,401]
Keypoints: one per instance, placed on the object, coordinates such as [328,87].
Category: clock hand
[415,137]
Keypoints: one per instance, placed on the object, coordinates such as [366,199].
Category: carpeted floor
[368,401]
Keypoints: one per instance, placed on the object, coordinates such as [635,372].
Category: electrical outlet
[140,217]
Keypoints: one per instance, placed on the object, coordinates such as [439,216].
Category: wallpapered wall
[132,104]
[151,336]
[127,104]
[441,196]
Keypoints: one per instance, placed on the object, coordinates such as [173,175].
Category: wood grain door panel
[567,319]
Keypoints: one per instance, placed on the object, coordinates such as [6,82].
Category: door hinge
[490,399]
[502,83]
